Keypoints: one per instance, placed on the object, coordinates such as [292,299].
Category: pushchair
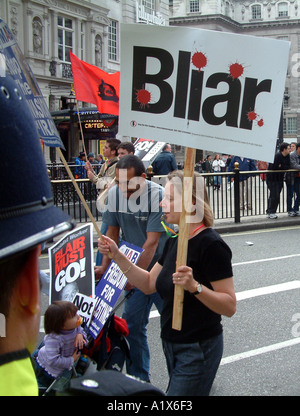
[99,371]
[108,351]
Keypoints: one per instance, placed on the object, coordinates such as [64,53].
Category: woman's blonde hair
[199,194]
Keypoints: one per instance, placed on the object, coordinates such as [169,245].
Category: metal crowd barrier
[224,190]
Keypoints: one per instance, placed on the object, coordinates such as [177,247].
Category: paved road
[262,340]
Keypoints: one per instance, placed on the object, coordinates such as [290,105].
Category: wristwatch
[199,290]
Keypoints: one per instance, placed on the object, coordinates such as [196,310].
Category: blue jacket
[80,171]
[164,163]
[244,165]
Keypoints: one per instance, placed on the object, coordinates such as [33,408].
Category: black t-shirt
[210,258]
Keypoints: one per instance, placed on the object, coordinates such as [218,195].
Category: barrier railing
[230,196]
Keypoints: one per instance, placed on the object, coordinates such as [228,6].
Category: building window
[256,11]
[194,6]
[286,38]
[149,5]
[65,38]
[290,125]
[113,41]
[227,9]
[286,97]
[283,10]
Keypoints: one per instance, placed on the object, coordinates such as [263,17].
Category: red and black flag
[92,85]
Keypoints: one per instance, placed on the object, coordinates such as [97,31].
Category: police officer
[27,218]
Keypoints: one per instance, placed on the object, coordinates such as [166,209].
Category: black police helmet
[27,214]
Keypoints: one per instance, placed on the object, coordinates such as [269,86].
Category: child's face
[72,323]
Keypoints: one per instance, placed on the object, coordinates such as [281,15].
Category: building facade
[275,19]
[46,30]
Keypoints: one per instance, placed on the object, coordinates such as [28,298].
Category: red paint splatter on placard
[236,70]
[199,60]
[252,115]
[260,122]
[143,97]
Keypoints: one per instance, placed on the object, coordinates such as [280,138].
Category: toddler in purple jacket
[63,340]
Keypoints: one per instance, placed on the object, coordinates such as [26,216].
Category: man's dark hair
[283,146]
[127,146]
[165,147]
[113,143]
[132,161]
[297,145]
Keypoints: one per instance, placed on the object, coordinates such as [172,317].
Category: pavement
[255,222]
[222,226]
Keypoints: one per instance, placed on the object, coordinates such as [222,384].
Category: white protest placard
[86,306]
[147,150]
[202,89]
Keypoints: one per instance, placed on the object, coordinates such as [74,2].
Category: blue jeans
[289,196]
[192,367]
[297,193]
[217,181]
[136,312]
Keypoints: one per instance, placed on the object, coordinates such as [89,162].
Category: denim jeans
[217,181]
[289,196]
[136,312]
[297,194]
[192,367]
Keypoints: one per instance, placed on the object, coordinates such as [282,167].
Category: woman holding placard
[194,353]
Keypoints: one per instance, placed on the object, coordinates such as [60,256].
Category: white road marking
[258,351]
[267,290]
[265,260]
[260,291]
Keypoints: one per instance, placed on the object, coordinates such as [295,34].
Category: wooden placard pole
[79,192]
[184,226]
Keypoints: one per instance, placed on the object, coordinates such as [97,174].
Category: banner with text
[71,263]
[13,62]
[86,306]
[110,287]
[177,87]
